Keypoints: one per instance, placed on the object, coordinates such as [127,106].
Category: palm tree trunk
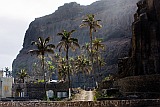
[44,74]
[69,84]
[23,80]
[97,59]
[90,32]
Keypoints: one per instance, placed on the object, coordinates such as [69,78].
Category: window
[64,94]
[61,94]
[5,88]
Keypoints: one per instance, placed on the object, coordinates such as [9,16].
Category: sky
[15,17]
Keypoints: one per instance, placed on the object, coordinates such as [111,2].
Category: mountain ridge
[116,16]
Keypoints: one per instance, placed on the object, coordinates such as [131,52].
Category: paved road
[84,96]
[89,95]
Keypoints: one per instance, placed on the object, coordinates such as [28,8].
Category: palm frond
[47,40]
[60,44]
[76,44]
[83,25]
[69,33]
[59,34]
[40,39]
[50,46]
[74,40]
[49,51]
[33,42]
[35,51]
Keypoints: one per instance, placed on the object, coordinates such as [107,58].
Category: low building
[35,90]
[5,86]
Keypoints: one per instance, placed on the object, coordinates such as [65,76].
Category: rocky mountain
[145,53]
[116,16]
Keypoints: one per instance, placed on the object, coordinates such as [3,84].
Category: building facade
[5,86]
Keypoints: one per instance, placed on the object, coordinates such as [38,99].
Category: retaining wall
[144,86]
[107,103]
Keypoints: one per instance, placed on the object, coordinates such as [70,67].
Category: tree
[62,69]
[22,74]
[97,45]
[50,68]
[42,47]
[72,65]
[67,42]
[82,65]
[8,73]
[93,25]
[101,62]
[86,49]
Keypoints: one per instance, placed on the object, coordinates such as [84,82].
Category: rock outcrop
[145,54]
[116,16]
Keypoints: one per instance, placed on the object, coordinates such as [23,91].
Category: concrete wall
[107,103]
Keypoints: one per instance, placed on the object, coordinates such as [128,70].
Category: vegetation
[93,25]
[82,65]
[66,43]
[62,69]
[86,50]
[73,65]
[22,74]
[42,47]
[97,46]
[8,73]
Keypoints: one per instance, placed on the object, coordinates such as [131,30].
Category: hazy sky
[15,17]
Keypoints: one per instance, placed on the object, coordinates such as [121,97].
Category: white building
[5,86]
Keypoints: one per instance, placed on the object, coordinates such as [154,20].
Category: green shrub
[40,81]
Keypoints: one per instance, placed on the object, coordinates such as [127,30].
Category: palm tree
[101,62]
[97,45]
[42,47]
[86,49]
[50,68]
[72,65]
[93,25]
[67,42]
[82,65]
[22,74]
[62,68]
[8,73]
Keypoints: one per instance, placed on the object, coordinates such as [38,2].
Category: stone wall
[142,86]
[107,103]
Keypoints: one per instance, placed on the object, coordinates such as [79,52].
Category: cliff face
[116,16]
[145,54]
